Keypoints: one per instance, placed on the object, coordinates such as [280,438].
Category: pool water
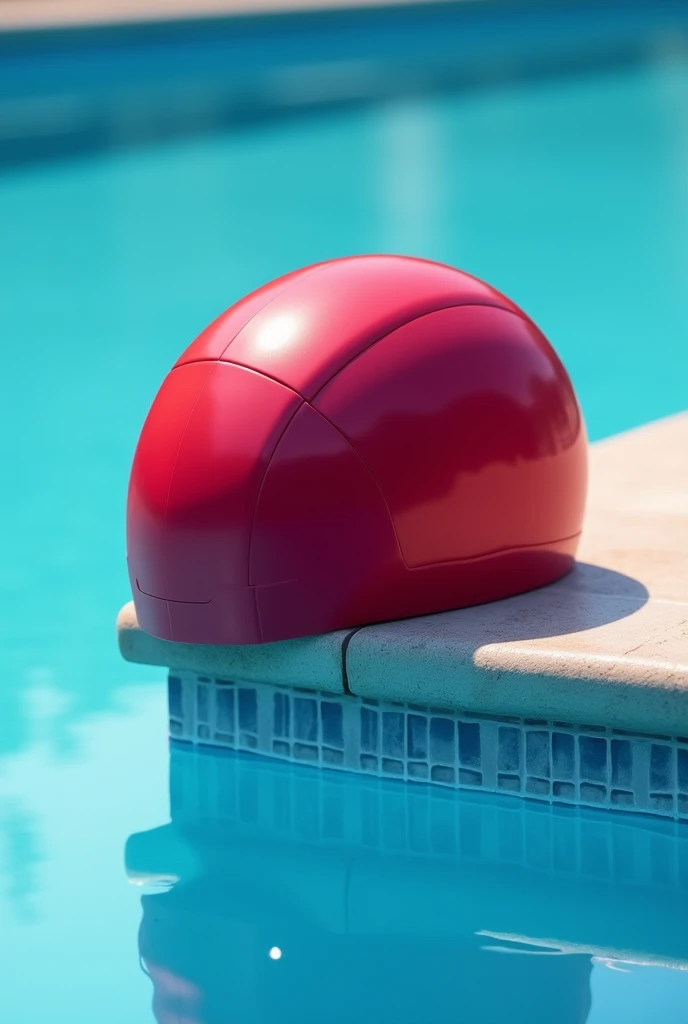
[569,194]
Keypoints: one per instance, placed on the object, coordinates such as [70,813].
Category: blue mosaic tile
[441,773]
[417,770]
[622,798]
[593,758]
[442,746]
[306,719]
[248,741]
[469,744]
[305,752]
[225,739]
[281,748]
[538,786]
[281,717]
[661,768]
[508,749]
[248,711]
[224,709]
[368,763]
[682,765]
[622,763]
[469,778]
[174,696]
[564,791]
[417,737]
[683,806]
[176,728]
[393,734]
[563,756]
[369,730]
[591,794]
[332,717]
[203,732]
[662,802]
[537,753]
[512,783]
[390,766]
[333,757]
[202,702]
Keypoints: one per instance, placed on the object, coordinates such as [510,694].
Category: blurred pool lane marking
[410,179]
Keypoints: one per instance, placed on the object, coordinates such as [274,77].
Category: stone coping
[314,662]
[607,645]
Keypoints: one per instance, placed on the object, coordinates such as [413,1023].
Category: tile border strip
[552,762]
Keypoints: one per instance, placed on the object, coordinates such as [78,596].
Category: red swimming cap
[365,439]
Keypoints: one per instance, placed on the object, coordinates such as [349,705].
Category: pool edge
[607,645]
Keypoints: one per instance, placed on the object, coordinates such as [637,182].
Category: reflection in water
[20,855]
[301,895]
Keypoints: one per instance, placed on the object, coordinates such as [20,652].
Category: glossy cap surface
[366,439]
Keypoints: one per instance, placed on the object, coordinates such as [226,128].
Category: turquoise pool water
[570,194]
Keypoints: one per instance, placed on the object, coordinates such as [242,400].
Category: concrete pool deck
[606,646]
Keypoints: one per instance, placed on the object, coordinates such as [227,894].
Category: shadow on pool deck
[588,597]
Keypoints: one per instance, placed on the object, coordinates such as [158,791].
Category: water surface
[570,195]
